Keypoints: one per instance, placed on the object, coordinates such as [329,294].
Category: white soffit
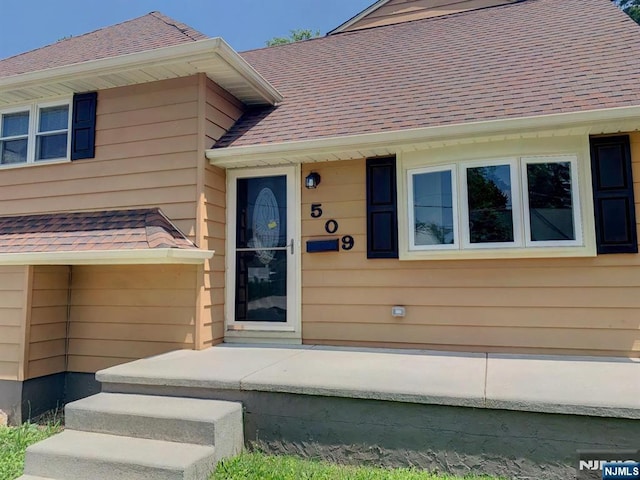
[211,56]
[352,147]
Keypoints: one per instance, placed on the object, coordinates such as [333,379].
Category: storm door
[262,264]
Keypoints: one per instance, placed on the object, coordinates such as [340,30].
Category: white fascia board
[183,53]
[108,257]
[587,122]
[250,74]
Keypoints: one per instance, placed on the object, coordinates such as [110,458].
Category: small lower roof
[108,236]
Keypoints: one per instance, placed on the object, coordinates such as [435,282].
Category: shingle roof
[531,58]
[86,231]
[148,32]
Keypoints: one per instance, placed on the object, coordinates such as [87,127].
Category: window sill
[11,166]
[500,253]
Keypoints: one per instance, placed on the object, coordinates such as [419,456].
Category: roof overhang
[592,122]
[108,257]
[213,56]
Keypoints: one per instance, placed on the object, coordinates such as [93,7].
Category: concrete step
[73,455]
[188,420]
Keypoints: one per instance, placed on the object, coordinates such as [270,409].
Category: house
[436,175]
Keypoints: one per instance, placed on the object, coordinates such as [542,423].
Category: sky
[244,24]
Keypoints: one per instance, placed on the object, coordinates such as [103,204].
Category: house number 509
[331,226]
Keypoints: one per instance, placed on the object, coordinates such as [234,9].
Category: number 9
[347,242]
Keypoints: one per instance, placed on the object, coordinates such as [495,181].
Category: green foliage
[294,36]
[489,215]
[257,466]
[549,185]
[630,7]
[15,440]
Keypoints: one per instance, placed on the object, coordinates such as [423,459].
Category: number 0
[331,226]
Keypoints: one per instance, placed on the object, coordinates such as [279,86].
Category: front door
[262,256]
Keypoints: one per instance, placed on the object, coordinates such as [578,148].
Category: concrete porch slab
[607,387]
[556,384]
[408,376]
[216,367]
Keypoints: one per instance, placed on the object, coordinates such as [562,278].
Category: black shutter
[83,127]
[613,200]
[382,210]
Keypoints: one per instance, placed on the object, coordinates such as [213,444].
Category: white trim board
[108,257]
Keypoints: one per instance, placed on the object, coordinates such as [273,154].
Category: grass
[15,440]
[258,466]
[248,466]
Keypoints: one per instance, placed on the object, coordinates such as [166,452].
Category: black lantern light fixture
[312,180]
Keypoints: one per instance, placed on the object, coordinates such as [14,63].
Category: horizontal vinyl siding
[579,306]
[146,156]
[221,112]
[214,235]
[397,11]
[12,321]
[123,313]
[48,329]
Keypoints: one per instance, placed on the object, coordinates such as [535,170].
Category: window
[526,202]
[14,137]
[434,206]
[34,134]
[491,204]
[551,202]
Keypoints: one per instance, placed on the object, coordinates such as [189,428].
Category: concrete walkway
[606,387]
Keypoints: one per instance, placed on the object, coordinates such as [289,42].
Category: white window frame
[454,204]
[34,110]
[575,200]
[519,204]
[515,204]
[10,111]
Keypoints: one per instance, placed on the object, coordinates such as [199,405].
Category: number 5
[316,211]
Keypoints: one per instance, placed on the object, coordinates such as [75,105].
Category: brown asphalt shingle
[532,58]
[148,32]
[84,231]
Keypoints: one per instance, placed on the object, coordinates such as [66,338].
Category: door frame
[259,332]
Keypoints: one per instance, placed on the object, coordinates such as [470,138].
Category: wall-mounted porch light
[312,180]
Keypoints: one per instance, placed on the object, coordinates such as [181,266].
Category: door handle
[291,246]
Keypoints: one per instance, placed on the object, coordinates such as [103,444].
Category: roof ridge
[183,28]
[387,25]
[165,225]
[73,37]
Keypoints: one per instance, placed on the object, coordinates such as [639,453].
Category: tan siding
[397,11]
[146,156]
[212,328]
[581,306]
[220,112]
[121,313]
[13,317]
